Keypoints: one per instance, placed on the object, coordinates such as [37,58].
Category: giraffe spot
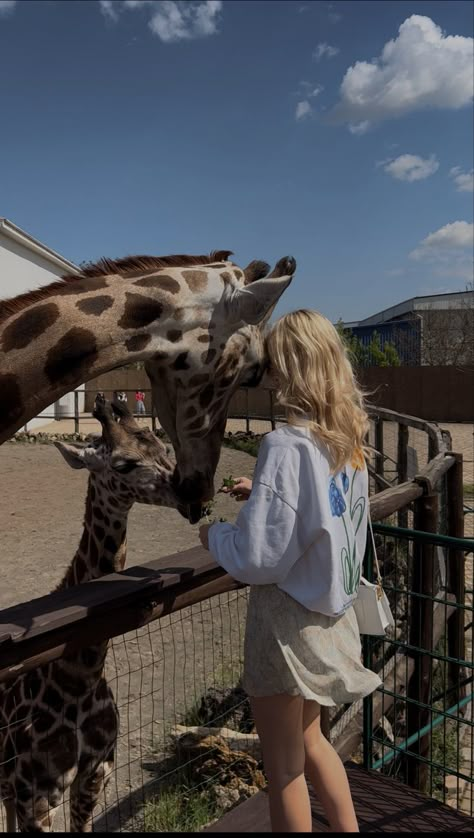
[117,525]
[160,356]
[174,335]
[82,286]
[208,356]
[95,305]
[10,399]
[87,703]
[84,542]
[140,311]
[161,281]
[32,685]
[89,657]
[190,412]
[222,346]
[61,748]
[53,698]
[137,342]
[106,565]
[99,532]
[97,511]
[238,273]
[206,396]
[71,713]
[43,720]
[195,280]
[22,790]
[106,520]
[194,426]
[102,690]
[67,682]
[93,493]
[93,551]
[29,326]
[72,355]
[178,313]
[26,770]
[181,363]
[9,755]
[218,265]
[197,380]
[204,338]
[110,544]
[81,568]
[226,276]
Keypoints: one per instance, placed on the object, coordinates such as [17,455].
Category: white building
[26,264]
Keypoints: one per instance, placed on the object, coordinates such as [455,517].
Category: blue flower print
[338,504]
[345,481]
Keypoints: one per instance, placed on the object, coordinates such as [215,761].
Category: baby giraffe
[59,722]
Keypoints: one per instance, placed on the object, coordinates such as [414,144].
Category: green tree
[371,355]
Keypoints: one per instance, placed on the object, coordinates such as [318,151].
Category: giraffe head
[224,350]
[127,462]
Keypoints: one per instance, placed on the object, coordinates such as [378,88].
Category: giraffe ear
[253,302]
[73,456]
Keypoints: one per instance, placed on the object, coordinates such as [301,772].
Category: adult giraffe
[196,321]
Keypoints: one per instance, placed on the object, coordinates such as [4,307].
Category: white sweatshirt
[303,528]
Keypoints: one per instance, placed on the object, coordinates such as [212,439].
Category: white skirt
[289,649]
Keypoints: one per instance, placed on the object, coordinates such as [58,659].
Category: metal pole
[456,575]
[76,412]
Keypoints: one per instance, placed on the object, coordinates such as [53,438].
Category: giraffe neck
[103,545]
[76,331]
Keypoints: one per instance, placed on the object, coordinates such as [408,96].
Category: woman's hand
[204,535]
[240,490]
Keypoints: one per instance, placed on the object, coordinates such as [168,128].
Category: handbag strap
[379,577]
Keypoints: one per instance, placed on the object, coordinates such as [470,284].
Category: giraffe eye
[124,466]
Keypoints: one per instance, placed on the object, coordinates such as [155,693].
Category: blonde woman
[299,543]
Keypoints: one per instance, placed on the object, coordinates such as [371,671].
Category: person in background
[299,543]
[140,402]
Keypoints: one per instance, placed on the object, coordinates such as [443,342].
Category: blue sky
[263,127]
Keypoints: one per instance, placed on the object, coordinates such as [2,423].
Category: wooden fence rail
[43,629]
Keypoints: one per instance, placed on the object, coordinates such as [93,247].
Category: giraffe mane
[126,267]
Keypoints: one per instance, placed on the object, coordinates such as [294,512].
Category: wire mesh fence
[418,727]
[181,669]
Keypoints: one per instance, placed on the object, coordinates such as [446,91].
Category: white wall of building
[26,264]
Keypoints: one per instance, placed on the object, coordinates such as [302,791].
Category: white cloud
[421,68]
[410,167]
[172,20]
[303,110]
[450,240]
[333,16]
[7,6]
[309,90]
[463,180]
[109,9]
[325,50]
[359,127]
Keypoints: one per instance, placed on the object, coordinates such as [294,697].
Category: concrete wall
[439,394]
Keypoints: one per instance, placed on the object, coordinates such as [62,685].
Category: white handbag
[371,604]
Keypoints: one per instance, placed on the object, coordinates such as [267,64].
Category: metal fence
[418,727]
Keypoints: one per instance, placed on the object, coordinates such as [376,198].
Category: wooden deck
[381,804]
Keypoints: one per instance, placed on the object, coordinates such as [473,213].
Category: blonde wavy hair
[316,383]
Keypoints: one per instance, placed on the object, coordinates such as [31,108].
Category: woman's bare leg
[279,723]
[327,774]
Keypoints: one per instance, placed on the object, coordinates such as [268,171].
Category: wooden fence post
[456,576]
[402,467]
[379,464]
[421,637]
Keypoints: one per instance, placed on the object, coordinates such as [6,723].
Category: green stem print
[350,563]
